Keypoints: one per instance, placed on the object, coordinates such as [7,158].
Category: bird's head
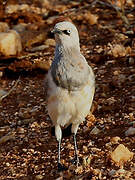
[66,34]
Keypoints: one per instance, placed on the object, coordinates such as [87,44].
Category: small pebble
[130,131]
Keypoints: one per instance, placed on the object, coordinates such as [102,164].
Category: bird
[71,85]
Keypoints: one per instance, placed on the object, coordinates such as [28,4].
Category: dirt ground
[28,151]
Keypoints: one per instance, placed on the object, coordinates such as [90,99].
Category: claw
[61,167]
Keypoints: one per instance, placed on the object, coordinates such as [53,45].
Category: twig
[4,129]
[120,12]
[29,55]
[110,5]
[74,10]
[9,92]
[7,137]
[36,54]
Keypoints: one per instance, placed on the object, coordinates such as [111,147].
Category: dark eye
[67,32]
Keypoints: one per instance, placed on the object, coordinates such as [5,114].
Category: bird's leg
[74,131]
[59,144]
[58,134]
[76,159]
[60,166]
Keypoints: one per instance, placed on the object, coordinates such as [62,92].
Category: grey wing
[92,76]
[45,84]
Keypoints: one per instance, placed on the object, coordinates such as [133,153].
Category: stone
[95,131]
[117,50]
[112,173]
[121,155]
[2,93]
[50,42]
[20,27]
[38,177]
[1,74]
[131,61]
[130,131]
[10,43]
[13,8]
[115,140]
[4,27]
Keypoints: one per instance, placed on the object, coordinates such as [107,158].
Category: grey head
[69,68]
[66,34]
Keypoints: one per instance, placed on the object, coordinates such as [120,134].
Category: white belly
[66,107]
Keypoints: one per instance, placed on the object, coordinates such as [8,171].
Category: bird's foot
[61,167]
[75,161]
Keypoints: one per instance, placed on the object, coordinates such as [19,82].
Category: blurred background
[106,139]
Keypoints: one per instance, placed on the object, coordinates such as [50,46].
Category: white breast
[65,107]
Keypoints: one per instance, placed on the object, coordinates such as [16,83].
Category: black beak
[56,31]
